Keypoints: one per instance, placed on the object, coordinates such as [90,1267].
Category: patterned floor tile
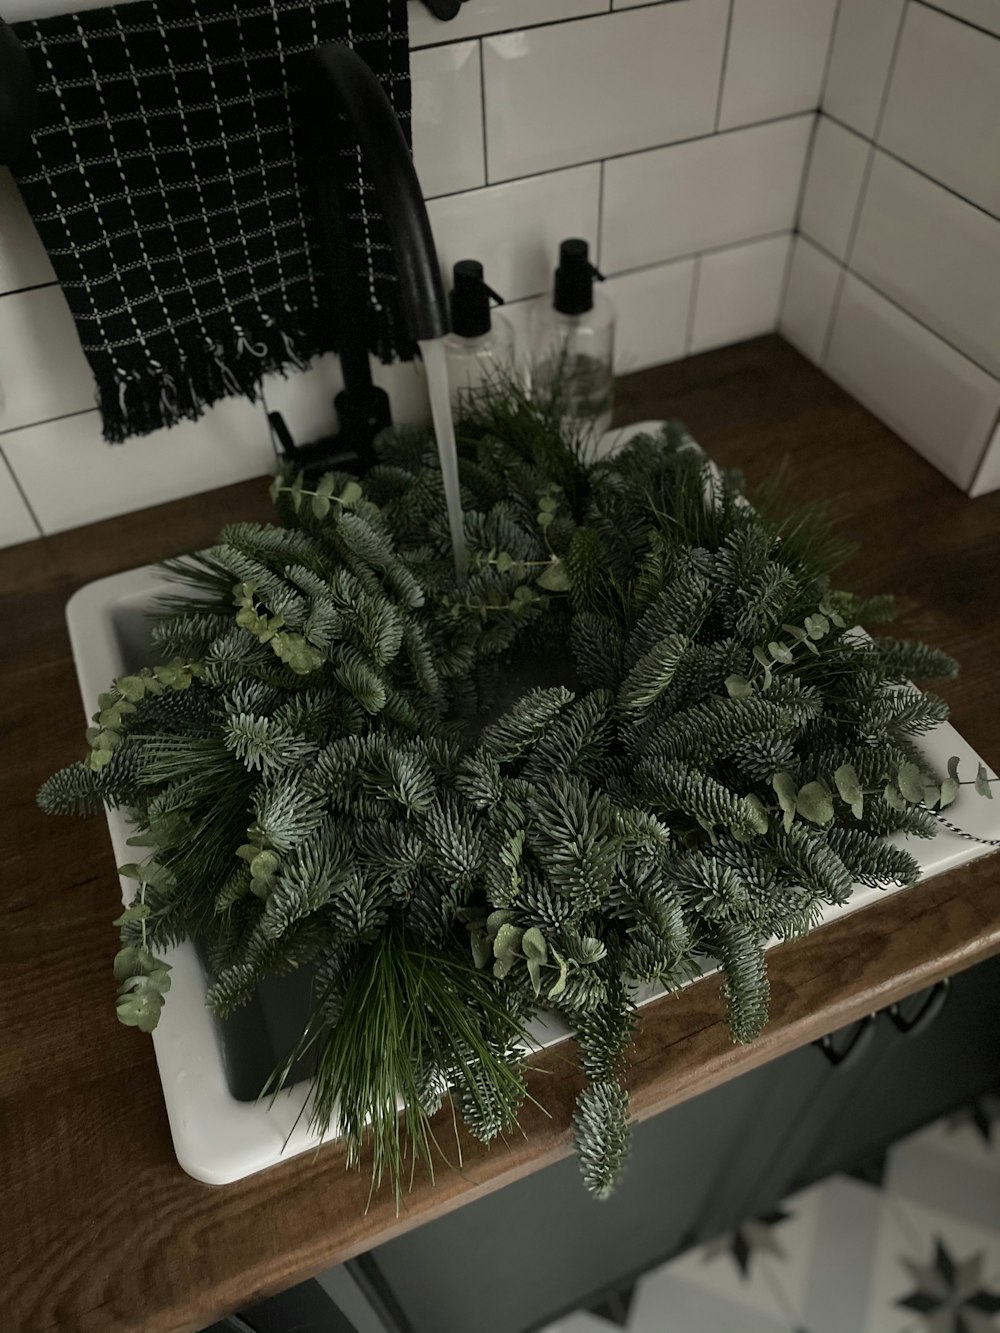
[932,1273]
[908,1244]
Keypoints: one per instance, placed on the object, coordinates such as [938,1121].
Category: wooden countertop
[100,1230]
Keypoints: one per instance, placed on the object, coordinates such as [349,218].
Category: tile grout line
[46,421]
[23,494]
[896,305]
[630,152]
[482,113]
[535,27]
[863,191]
[957,18]
[834,26]
[724,66]
[887,152]
[32,287]
[600,219]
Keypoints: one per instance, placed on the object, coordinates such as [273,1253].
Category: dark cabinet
[539,1247]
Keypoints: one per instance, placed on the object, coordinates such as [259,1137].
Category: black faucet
[334,78]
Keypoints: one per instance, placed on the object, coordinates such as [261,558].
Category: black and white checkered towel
[166,187]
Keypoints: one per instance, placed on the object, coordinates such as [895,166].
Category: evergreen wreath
[641,737]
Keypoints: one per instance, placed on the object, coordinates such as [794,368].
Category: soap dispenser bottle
[480,346]
[573,340]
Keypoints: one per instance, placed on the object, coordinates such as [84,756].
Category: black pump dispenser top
[574,284]
[470,300]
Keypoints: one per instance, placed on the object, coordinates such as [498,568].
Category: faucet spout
[335,79]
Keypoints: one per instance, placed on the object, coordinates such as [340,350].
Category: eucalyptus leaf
[949,791]
[953,763]
[892,797]
[815,803]
[787,791]
[507,940]
[555,577]
[533,945]
[983,786]
[781,652]
[738,687]
[497,919]
[559,985]
[535,973]
[910,781]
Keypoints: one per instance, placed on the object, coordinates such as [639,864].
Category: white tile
[988,475]
[902,1262]
[931,395]
[986,13]
[477,17]
[739,293]
[16,523]
[447,118]
[305,397]
[776,58]
[695,196]
[515,229]
[863,43]
[23,261]
[15,11]
[575,92]
[809,297]
[943,112]
[653,307]
[43,371]
[520,317]
[934,254]
[71,476]
[833,186]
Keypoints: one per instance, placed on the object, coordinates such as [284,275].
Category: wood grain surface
[100,1230]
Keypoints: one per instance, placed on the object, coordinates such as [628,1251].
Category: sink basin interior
[257,1037]
[212,1070]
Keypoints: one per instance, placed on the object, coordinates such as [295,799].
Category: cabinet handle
[925,1015]
[850,1051]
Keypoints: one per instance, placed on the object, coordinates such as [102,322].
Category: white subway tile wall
[777,56]
[231,443]
[903,192]
[446,122]
[864,41]
[635,124]
[836,173]
[943,110]
[813,283]
[16,521]
[654,311]
[739,293]
[704,194]
[933,254]
[607,85]
[931,395]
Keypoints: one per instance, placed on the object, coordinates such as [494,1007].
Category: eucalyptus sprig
[641,738]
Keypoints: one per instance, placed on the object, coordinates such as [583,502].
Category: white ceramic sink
[210,1069]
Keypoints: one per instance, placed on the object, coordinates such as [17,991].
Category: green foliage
[639,740]
[601,1134]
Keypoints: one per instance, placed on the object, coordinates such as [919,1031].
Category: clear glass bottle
[480,346]
[573,340]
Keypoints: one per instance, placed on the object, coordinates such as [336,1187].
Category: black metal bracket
[444,9]
[847,1046]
